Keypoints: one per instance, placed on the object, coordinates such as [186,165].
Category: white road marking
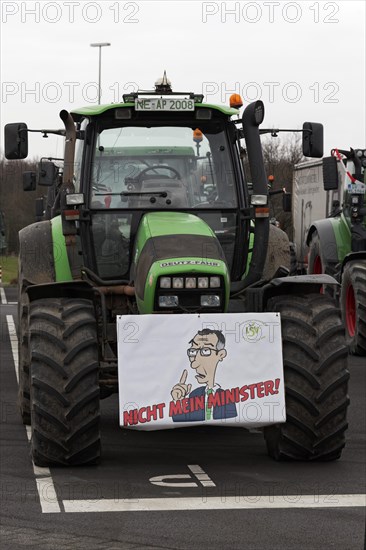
[47,494]
[215,503]
[45,486]
[29,432]
[159,480]
[201,475]
[196,471]
[3,296]
[14,343]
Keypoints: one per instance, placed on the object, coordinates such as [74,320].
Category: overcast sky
[305,60]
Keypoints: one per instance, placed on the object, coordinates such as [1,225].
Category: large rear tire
[353,303]
[316,380]
[65,409]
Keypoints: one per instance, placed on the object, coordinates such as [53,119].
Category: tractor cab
[153,196]
[159,153]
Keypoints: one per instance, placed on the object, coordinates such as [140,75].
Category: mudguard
[36,253]
[353,256]
[334,236]
[257,298]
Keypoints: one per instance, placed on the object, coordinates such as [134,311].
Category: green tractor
[337,245]
[153,216]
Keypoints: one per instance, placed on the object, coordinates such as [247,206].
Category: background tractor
[158,178]
[337,244]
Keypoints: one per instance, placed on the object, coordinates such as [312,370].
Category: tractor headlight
[191,282]
[215,282]
[168,301]
[178,282]
[75,199]
[210,300]
[165,282]
[202,282]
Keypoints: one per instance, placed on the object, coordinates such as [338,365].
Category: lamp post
[100,45]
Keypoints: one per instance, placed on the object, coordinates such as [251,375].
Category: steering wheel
[141,175]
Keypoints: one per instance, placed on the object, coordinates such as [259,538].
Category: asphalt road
[223,491]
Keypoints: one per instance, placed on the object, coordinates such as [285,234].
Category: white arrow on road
[196,471]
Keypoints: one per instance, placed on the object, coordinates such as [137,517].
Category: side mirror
[330,174]
[47,173]
[312,139]
[16,141]
[29,181]
[286,202]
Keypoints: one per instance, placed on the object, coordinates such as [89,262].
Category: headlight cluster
[190,292]
[206,300]
[190,282]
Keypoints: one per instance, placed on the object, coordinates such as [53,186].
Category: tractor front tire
[353,303]
[316,380]
[64,369]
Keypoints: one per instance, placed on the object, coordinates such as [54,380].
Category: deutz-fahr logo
[189,262]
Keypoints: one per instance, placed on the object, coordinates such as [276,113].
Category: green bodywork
[95,110]
[342,235]
[60,258]
[156,224]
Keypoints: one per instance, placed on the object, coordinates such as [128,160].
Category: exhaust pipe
[252,118]
[69,148]
[68,227]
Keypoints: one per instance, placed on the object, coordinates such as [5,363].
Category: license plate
[357,188]
[164,104]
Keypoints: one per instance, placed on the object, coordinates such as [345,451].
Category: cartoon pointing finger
[181,389]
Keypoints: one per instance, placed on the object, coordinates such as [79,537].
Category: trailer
[310,202]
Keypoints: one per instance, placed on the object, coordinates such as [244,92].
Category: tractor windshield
[158,165]
[162,167]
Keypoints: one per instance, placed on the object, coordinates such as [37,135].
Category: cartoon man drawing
[206,352]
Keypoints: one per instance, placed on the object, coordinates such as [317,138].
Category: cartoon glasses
[205,352]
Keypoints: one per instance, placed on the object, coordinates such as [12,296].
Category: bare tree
[280,158]
[18,206]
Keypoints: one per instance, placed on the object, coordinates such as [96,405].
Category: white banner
[184,370]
